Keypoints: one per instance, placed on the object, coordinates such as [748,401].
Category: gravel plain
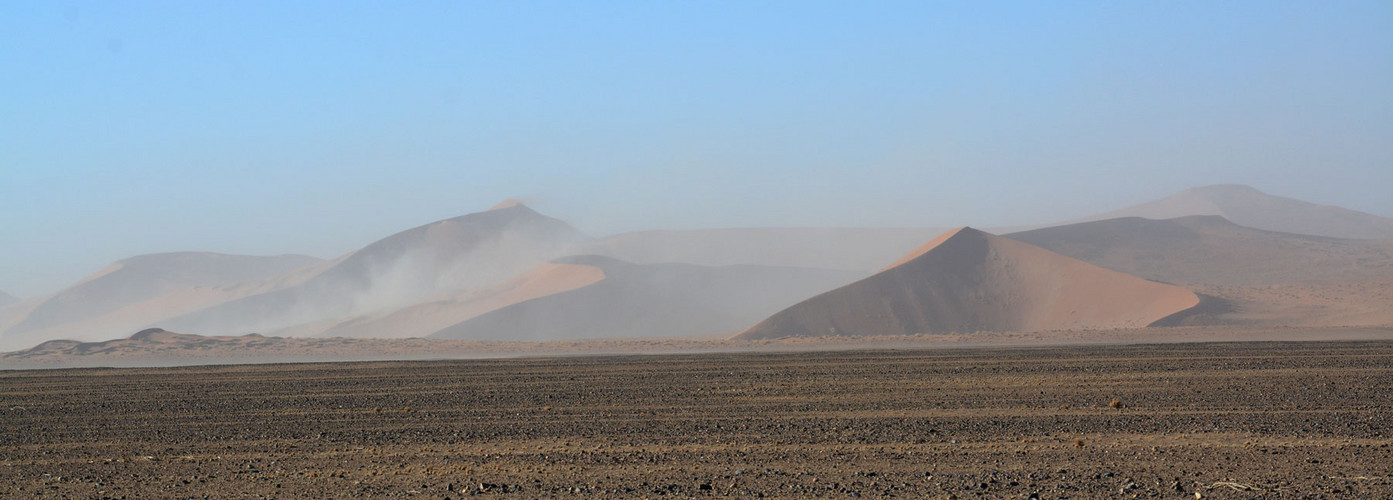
[1220,420]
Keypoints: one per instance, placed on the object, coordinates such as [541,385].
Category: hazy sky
[280,127]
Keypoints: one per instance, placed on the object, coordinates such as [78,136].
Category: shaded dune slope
[424,319]
[654,300]
[967,280]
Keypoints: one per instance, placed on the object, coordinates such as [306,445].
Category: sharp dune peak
[935,243]
[508,203]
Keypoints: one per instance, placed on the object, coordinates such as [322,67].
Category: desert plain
[1178,420]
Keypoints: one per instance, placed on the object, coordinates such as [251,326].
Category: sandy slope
[1261,277]
[653,300]
[1348,304]
[432,316]
[967,280]
[1213,251]
[1249,207]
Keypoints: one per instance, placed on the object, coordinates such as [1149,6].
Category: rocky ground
[1237,420]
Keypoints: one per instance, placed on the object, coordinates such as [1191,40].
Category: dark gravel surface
[1243,420]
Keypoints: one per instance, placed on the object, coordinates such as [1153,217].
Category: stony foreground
[1290,420]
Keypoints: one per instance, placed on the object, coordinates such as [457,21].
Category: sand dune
[966,281]
[401,270]
[146,277]
[7,299]
[1213,251]
[1249,207]
[432,316]
[653,300]
[1258,278]
[851,249]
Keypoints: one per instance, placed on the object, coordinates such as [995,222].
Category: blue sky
[307,127]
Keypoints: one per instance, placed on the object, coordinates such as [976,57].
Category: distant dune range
[131,293]
[401,270]
[148,276]
[1249,207]
[7,299]
[967,281]
[1249,259]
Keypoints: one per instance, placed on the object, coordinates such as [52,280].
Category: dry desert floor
[1219,420]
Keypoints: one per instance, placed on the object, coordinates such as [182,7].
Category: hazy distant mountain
[1211,250]
[853,249]
[455,254]
[7,299]
[652,300]
[146,277]
[1249,207]
[966,281]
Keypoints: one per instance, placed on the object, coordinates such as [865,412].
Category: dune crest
[968,280]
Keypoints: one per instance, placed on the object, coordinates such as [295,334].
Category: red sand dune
[966,281]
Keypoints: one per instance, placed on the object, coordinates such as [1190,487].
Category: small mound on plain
[966,280]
